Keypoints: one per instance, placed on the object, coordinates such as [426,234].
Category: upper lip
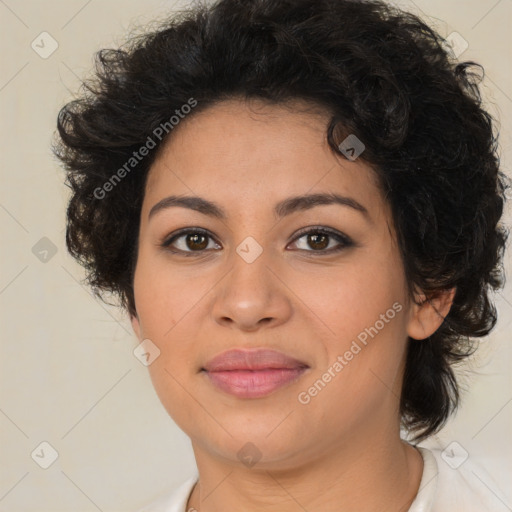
[251,359]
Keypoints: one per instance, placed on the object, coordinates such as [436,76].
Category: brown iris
[318,241]
[193,241]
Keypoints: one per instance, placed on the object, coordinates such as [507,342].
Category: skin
[342,450]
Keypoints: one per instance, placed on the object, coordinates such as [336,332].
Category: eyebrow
[282,209]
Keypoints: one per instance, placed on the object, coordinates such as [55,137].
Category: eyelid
[185,231]
[325,230]
[168,240]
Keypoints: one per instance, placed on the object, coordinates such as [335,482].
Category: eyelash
[344,241]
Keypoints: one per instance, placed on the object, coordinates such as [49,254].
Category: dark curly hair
[383,75]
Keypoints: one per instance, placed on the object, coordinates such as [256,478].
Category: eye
[321,240]
[196,241]
[189,241]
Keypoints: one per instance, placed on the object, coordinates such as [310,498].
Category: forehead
[243,151]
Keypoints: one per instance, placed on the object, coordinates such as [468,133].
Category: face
[318,281]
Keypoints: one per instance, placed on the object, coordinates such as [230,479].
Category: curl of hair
[383,75]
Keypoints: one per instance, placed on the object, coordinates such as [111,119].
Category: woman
[298,205]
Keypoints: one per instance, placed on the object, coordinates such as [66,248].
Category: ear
[136,325]
[428,313]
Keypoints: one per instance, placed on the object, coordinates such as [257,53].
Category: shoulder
[453,481]
[175,501]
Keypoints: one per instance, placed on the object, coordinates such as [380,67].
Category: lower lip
[253,383]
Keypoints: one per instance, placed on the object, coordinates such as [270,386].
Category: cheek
[164,302]
[352,298]
[360,368]
[163,298]
[364,308]
[168,305]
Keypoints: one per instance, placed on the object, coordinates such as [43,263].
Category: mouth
[253,373]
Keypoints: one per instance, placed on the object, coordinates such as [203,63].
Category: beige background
[68,374]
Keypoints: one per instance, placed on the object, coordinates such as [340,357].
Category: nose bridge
[250,294]
[250,276]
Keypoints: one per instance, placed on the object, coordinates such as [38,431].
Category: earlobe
[428,313]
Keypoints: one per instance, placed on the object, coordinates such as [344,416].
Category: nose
[252,296]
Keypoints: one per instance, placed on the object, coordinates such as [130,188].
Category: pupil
[314,241]
[193,239]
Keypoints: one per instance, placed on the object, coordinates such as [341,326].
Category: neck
[357,475]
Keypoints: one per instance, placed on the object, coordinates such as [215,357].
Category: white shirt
[445,486]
